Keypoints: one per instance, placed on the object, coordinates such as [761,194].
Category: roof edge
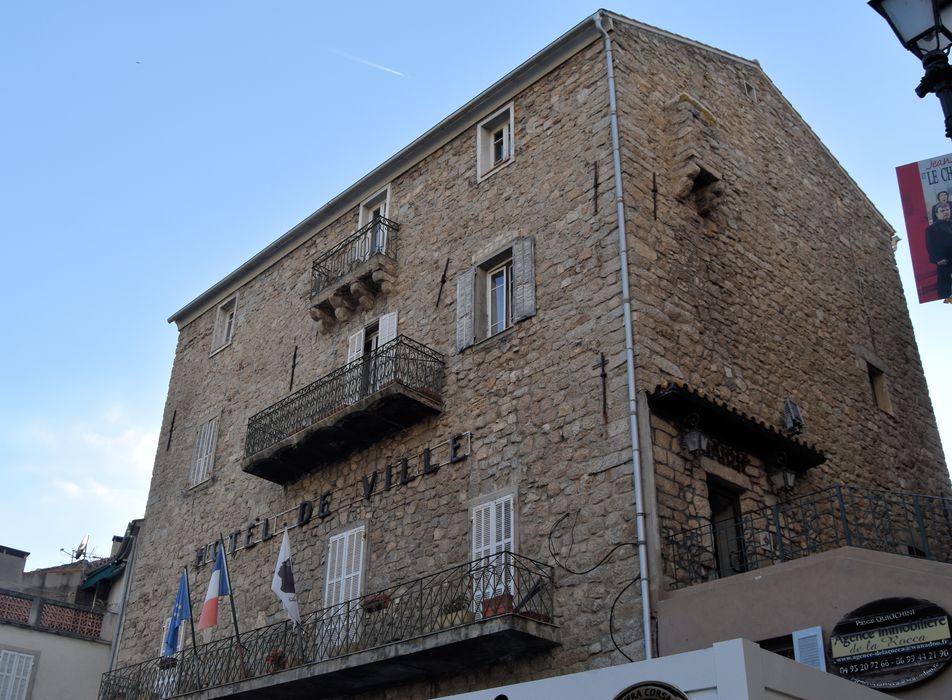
[524,75]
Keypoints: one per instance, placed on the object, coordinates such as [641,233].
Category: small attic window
[750,91]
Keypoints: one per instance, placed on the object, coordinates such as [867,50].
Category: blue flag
[181,612]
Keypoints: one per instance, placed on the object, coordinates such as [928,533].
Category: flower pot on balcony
[454,619]
[375,602]
[277,660]
[166,662]
[497,605]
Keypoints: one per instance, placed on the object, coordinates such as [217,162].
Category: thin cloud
[364,61]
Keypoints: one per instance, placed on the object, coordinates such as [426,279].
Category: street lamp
[923,28]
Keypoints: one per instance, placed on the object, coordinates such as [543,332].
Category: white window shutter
[465,328]
[523,279]
[808,648]
[386,328]
[502,539]
[482,531]
[355,346]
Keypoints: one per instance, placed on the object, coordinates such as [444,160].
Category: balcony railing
[899,523]
[379,237]
[402,361]
[470,594]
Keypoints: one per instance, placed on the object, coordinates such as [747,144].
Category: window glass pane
[497,300]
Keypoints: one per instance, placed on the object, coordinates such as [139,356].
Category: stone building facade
[432,370]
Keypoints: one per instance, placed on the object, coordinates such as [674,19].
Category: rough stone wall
[777,281]
[531,397]
[771,282]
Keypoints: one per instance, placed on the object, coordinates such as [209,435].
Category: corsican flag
[282,583]
[181,611]
[218,587]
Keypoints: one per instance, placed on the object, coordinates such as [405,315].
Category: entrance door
[727,530]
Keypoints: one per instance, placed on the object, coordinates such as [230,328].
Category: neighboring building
[57,625]
[449,381]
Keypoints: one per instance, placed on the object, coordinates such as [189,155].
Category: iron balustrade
[500,584]
[885,521]
[401,361]
[379,237]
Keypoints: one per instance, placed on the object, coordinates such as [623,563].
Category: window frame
[474,307]
[501,122]
[225,321]
[203,453]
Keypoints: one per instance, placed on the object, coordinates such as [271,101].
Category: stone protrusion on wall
[693,154]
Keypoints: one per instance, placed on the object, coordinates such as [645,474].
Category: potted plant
[455,611]
[166,662]
[277,660]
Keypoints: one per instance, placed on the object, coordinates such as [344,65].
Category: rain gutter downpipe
[629,350]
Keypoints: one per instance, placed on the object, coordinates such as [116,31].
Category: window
[224,323]
[373,212]
[15,672]
[378,365]
[494,295]
[345,560]
[204,457]
[877,382]
[493,537]
[494,142]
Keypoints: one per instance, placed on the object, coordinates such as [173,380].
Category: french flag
[217,587]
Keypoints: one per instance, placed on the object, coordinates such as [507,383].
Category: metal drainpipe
[629,349]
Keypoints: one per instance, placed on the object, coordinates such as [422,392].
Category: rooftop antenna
[80,551]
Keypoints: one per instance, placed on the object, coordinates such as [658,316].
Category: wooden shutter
[492,534]
[355,346]
[523,279]
[808,648]
[204,456]
[465,328]
[345,558]
[386,328]
[15,672]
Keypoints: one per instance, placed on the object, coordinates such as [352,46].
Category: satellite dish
[81,549]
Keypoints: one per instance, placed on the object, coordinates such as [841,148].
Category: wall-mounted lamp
[781,476]
[692,437]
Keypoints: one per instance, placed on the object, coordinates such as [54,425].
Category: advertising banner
[926,191]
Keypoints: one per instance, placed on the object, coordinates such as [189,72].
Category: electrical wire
[615,548]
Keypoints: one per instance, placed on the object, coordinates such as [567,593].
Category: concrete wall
[732,670]
[63,667]
[814,591]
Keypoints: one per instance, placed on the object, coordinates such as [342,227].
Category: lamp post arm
[938,80]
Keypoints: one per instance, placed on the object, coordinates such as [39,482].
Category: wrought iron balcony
[476,613]
[898,523]
[391,388]
[354,272]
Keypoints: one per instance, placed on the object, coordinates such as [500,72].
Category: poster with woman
[926,189]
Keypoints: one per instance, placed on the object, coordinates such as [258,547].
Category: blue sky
[148,149]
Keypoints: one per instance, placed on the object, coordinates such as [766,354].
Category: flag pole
[231,599]
[191,624]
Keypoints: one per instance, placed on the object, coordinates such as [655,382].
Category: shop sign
[892,643]
[651,690]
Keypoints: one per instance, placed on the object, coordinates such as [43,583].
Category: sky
[148,149]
